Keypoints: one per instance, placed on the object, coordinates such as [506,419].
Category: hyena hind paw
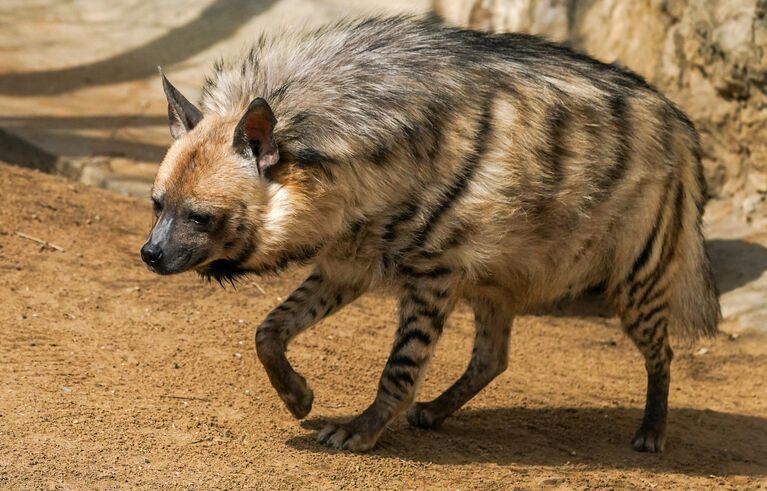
[649,440]
[420,416]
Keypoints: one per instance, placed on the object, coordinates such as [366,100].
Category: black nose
[151,253]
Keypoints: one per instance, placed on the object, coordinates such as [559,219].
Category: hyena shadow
[735,262]
[701,442]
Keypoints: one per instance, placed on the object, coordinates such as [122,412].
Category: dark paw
[298,397]
[649,440]
[420,416]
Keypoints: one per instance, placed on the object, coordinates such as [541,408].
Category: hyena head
[225,201]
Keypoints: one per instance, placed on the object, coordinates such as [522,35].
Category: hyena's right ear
[182,114]
[254,136]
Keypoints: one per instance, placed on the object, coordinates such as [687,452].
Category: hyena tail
[693,295]
[694,298]
[669,287]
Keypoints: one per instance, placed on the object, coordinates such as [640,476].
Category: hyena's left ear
[254,136]
[182,114]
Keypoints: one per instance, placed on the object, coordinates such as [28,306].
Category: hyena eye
[199,218]
[156,206]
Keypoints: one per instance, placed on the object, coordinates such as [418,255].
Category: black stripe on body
[424,138]
[394,395]
[380,154]
[299,256]
[406,215]
[301,117]
[279,92]
[431,313]
[418,300]
[553,156]
[461,180]
[649,246]
[307,157]
[403,216]
[670,243]
[621,122]
[435,272]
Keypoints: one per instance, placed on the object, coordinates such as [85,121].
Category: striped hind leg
[644,302]
[649,331]
[489,358]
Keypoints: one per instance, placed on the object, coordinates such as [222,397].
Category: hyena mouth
[224,270]
[229,270]
[174,265]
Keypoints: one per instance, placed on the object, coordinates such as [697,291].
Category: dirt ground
[114,378]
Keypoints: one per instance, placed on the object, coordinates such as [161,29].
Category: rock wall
[708,56]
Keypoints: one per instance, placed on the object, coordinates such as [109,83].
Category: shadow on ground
[16,151]
[701,442]
[736,262]
[215,23]
[58,132]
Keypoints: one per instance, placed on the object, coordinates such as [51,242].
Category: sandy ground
[114,378]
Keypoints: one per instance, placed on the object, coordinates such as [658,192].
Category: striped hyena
[447,165]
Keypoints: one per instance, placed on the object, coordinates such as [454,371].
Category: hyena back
[447,165]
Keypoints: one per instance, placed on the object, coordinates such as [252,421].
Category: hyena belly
[448,165]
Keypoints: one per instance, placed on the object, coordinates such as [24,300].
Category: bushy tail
[694,298]
[670,280]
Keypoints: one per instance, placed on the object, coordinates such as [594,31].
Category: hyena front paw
[422,416]
[297,396]
[649,440]
[355,435]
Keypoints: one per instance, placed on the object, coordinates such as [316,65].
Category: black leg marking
[489,358]
[289,319]
[410,352]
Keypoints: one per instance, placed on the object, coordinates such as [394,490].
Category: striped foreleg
[317,298]
[423,309]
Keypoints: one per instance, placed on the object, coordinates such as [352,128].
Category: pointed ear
[182,114]
[254,136]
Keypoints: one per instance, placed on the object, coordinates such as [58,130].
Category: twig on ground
[185,398]
[42,242]
[263,292]
[206,439]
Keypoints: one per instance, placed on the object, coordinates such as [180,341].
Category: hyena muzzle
[446,165]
